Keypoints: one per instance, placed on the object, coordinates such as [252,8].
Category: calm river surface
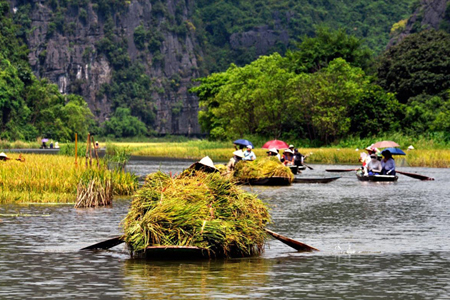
[384,241]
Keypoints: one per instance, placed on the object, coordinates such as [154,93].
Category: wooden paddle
[416,176]
[308,166]
[291,243]
[341,170]
[106,244]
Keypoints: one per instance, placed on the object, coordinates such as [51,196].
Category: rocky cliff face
[429,14]
[64,47]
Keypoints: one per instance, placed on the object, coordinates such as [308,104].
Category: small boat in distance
[376,178]
[315,179]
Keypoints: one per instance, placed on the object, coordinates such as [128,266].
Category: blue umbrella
[395,151]
[242,142]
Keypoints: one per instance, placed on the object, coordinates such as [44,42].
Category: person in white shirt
[249,154]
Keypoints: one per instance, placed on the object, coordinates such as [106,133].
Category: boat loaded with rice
[196,214]
[263,171]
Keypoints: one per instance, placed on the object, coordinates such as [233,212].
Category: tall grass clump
[94,189]
[196,209]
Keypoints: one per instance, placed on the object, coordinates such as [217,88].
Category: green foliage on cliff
[30,107]
[418,71]
[217,21]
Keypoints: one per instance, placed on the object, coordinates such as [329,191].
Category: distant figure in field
[4,157]
[51,144]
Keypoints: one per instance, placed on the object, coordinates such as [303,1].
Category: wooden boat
[296,169]
[315,179]
[173,253]
[268,181]
[376,178]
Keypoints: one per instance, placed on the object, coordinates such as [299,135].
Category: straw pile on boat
[199,209]
[264,167]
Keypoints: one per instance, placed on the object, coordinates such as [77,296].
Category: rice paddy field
[53,179]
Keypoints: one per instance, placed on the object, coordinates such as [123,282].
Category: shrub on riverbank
[52,178]
[196,209]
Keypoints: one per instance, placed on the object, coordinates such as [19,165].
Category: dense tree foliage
[30,107]
[417,70]
[420,64]
[275,95]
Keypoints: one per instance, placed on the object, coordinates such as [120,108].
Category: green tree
[420,64]
[315,53]
[123,124]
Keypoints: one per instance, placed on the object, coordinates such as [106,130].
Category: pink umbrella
[385,144]
[276,144]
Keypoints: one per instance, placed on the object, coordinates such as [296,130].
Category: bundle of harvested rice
[196,209]
[264,167]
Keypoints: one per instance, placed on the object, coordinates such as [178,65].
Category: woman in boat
[274,152]
[388,163]
[237,157]
[374,166]
[288,157]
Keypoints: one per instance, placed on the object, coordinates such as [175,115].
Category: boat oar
[106,244]
[416,176]
[291,243]
[311,168]
[341,170]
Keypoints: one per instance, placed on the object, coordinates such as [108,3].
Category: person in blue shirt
[249,154]
[387,163]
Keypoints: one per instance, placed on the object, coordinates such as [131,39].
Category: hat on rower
[3,154]
[291,146]
[238,153]
[273,150]
[289,151]
[249,147]
[207,162]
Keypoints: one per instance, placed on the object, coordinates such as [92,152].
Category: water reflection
[238,278]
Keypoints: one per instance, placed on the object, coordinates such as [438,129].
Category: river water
[377,241]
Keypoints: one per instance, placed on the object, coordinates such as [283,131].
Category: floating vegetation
[196,209]
[265,167]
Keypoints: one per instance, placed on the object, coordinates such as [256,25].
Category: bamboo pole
[76,149]
[87,148]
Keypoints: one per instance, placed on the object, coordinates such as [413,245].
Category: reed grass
[52,178]
[196,209]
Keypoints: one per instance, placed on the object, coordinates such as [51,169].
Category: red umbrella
[276,144]
[385,144]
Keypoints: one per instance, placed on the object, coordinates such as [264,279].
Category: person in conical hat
[288,157]
[3,156]
[205,164]
[274,152]
[238,155]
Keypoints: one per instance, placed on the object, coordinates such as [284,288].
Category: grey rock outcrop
[72,60]
[428,15]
